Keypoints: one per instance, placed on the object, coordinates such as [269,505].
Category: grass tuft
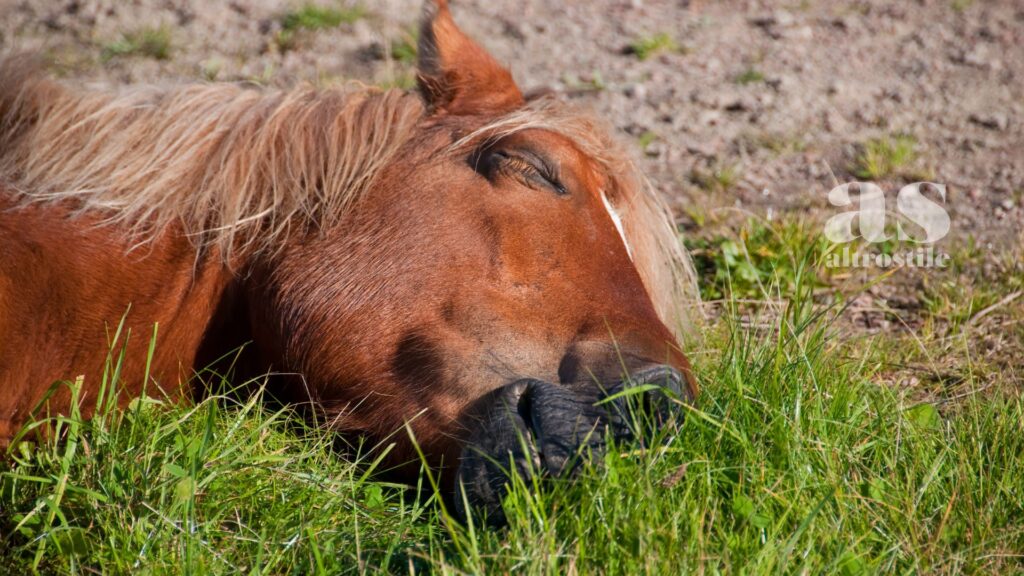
[778,143]
[647,46]
[750,76]
[316,17]
[961,5]
[717,178]
[645,139]
[153,43]
[885,157]
[312,17]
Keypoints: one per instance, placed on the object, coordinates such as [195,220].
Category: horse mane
[237,167]
[657,250]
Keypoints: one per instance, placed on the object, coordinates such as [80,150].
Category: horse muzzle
[534,428]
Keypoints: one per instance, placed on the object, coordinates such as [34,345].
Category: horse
[474,266]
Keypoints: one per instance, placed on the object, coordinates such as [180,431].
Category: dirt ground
[739,109]
[778,94]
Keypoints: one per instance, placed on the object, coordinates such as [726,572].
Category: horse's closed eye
[528,167]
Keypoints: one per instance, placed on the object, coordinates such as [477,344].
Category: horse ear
[456,75]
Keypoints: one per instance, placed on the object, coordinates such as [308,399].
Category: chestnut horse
[476,266]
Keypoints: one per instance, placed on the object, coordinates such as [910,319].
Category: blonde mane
[238,167]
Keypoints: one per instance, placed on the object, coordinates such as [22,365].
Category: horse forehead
[613,213]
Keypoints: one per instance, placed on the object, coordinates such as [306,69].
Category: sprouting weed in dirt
[146,42]
[716,178]
[210,69]
[646,139]
[647,46]
[316,17]
[750,76]
[778,143]
[885,157]
[961,5]
[312,17]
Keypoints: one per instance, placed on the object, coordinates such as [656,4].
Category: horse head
[506,270]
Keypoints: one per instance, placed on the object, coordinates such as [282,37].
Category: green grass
[153,43]
[885,157]
[312,17]
[317,17]
[750,76]
[778,143]
[764,260]
[646,139]
[795,460]
[716,178]
[647,46]
[405,47]
[961,5]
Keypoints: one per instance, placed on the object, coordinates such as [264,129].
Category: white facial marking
[617,220]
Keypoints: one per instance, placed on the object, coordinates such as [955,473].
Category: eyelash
[504,160]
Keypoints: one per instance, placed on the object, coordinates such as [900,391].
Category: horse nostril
[663,376]
[646,402]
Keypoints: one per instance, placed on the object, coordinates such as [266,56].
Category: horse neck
[100,283]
